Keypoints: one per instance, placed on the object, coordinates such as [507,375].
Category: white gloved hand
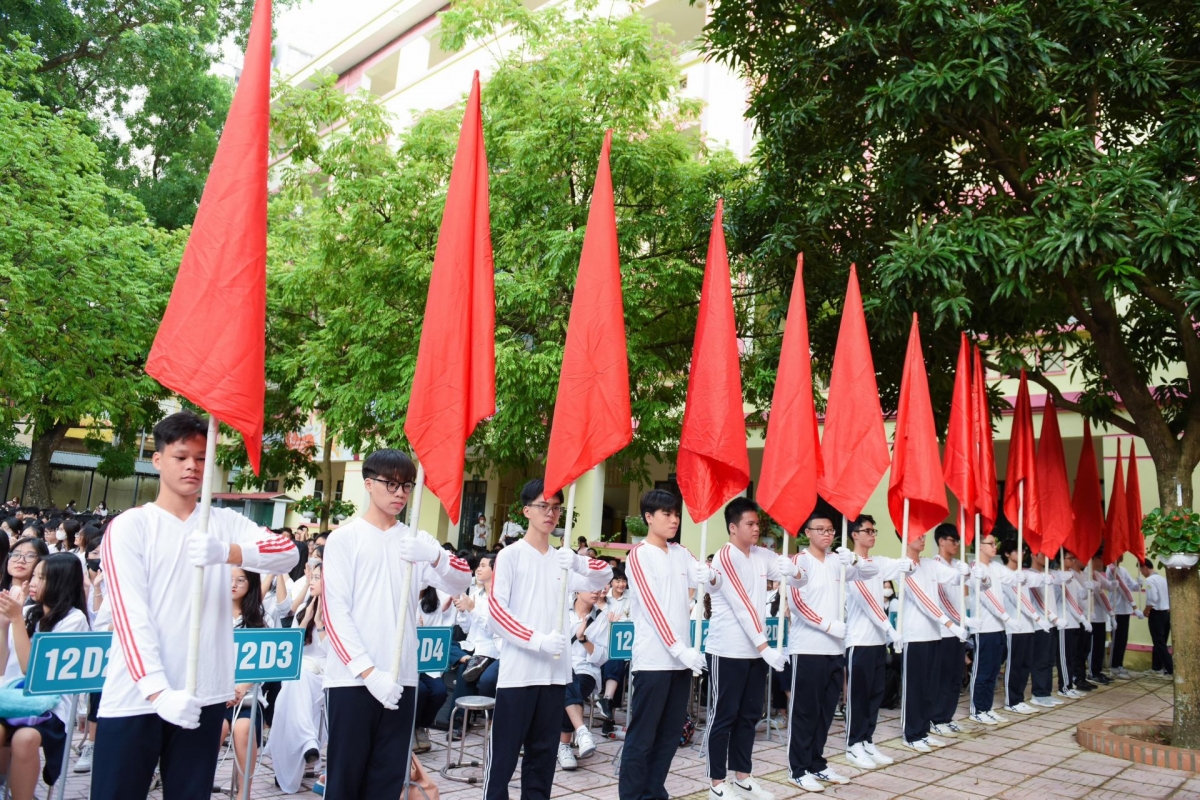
[959,631]
[979,571]
[1043,623]
[971,624]
[1087,626]
[776,659]
[836,628]
[383,687]
[905,565]
[178,708]
[418,548]
[694,660]
[1137,612]
[1021,578]
[962,568]
[893,635]
[1010,626]
[1060,623]
[204,550]
[702,574]
[552,643]
[1089,585]
[847,557]
[570,561]
[788,567]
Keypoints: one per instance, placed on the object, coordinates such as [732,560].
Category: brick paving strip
[1033,757]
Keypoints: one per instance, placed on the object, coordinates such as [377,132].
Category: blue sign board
[773,632]
[703,635]
[267,654]
[433,649]
[620,641]
[67,663]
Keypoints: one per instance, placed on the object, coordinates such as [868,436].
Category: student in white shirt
[371,711]
[952,651]
[481,533]
[1073,642]
[617,606]
[1039,584]
[56,589]
[1124,585]
[868,634]
[664,658]
[1158,614]
[248,612]
[149,555]
[817,647]
[1101,618]
[737,651]
[589,652]
[1022,624]
[526,612]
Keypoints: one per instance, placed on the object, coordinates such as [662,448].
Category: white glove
[1087,626]
[206,549]
[971,624]
[178,708]
[1060,623]
[552,643]
[847,557]
[962,568]
[905,565]
[1043,623]
[1021,578]
[959,631]
[893,635]
[1137,612]
[836,628]
[702,574]
[571,561]
[788,567]
[1089,585]
[979,571]
[384,688]
[694,660]
[1010,626]
[776,659]
[418,548]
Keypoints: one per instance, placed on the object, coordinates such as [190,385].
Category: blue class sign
[772,631]
[433,649]
[267,654]
[620,641]
[67,663]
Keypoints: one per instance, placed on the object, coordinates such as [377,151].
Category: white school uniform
[299,709]
[1102,607]
[149,580]
[475,623]
[362,582]
[1024,621]
[1157,596]
[659,606]
[526,591]
[922,615]
[946,597]
[583,662]
[1070,592]
[993,616]
[621,606]
[867,621]
[1123,588]
[736,628]
[813,597]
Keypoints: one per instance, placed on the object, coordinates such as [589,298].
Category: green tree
[355,228]
[83,280]
[1025,171]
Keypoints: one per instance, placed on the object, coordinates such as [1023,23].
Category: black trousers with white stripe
[1019,667]
[921,676]
[814,698]
[867,671]
[368,744]
[736,692]
[1099,640]
[528,716]
[952,658]
[989,655]
[1043,662]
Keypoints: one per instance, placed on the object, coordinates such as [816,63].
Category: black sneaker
[604,708]
[311,756]
[1101,679]
[1085,686]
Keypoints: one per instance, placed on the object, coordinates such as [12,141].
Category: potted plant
[312,509]
[1173,537]
[637,528]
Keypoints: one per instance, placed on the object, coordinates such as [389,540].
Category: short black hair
[321,535]
[619,574]
[945,531]
[859,521]
[1006,547]
[819,515]
[658,500]
[535,488]
[179,427]
[389,464]
[736,508]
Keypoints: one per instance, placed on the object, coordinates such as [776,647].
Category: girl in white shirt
[247,613]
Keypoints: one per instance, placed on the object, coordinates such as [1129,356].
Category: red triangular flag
[982,449]
[454,387]
[854,448]
[714,464]
[1058,520]
[1116,524]
[791,463]
[1020,479]
[592,420]
[916,467]
[1087,503]
[1135,543]
[211,344]
[957,464]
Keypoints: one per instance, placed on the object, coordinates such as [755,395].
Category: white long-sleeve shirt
[582,661]
[149,579]
[480,639]
[1157,596]
[947,596]
[922,615]
[1123,588]
[658,587]
[361,587]
[736,628]
[813,597]
[1102,606]
[867,620]
[1025,621]
[526,591]
[1072,597]
[992,614]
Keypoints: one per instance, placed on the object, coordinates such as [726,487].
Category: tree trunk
[326,480]
[1183,585]
[36,491]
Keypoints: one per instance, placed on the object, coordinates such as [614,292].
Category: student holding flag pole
[163,701]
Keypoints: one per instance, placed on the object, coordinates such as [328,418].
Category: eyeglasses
[868,531]
[820,530]
[26,557]
[394,486]
[989,544]
[240,581]
[546,509]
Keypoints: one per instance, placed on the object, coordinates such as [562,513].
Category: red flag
[791,464]
[916,469]
[592,420]
[854,450]
[1135,543]
[211,344]
[714,464]
[1087,502]
[957,464]
[454,387]
[986,499]
[1116,524]
[1020,479]
[1058,520]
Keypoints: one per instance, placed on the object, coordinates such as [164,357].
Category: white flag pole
[783,601]
[1020,544]
[566,578]
[206,492]
[698,608]
[415,525]
[962,532]
[903,593]
[978,584]
[842,586]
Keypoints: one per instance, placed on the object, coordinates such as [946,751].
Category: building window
[337,494]
[319,490]
[271,486]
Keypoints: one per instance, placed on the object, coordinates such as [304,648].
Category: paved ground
[1028,758]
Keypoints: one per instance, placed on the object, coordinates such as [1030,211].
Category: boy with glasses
[371,711]
[991,639]
[952,651]
[528,612]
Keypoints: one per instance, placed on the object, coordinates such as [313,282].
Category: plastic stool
[467,705]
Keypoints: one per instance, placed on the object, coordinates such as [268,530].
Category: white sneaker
[566,759]
[942,730]
[954,728]
[1042,702]
[750,788]
[877,755]
[1021,708]
[1075,693]
[933,741]
[84,764]
[983,718]
[830,775]
[919,745]
[1121,672]
[585,742]
[1068,694]
[996,717]
[807,782]
[857,756]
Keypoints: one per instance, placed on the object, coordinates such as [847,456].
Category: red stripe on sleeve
[459,564]
[597,565]
[871,601]
[133,659]
[648,599]
[338,646]
[501,614]
[732,575]
[922,597]
[951,610]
